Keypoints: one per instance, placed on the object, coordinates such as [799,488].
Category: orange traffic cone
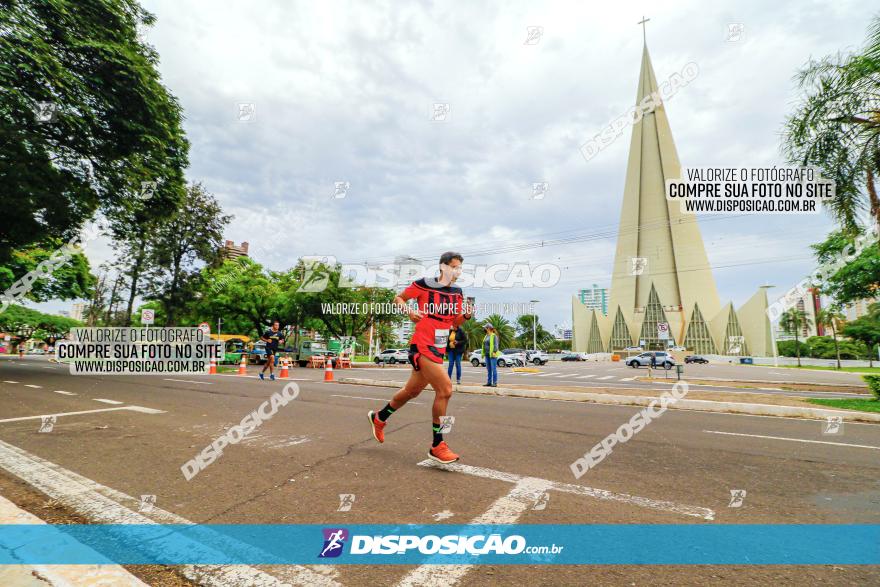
[212,370]
[242,366]
[284,372]
[328,370]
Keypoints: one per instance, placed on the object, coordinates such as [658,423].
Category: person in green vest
[491,352]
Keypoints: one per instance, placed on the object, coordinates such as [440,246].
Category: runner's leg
[440,382]
[411,389]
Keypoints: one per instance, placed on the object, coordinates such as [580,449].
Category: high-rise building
[810,304]
[662,288]
[595,298]
[77,310]
[859,308]
[230,251]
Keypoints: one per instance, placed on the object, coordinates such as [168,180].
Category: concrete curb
[627,400]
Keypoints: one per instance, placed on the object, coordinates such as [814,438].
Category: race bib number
[441,337]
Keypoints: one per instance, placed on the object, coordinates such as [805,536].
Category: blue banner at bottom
[516,544]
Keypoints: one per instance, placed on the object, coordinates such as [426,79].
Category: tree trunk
[136,267]
[872,195]
[836,346]
[111,301]
[797,347]
[171,307]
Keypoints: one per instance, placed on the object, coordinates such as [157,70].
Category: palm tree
[837,127]
[506,332]
[792,322]
[475,333]
[832,318]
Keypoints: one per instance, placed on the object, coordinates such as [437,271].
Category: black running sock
[385,412]
[438,438]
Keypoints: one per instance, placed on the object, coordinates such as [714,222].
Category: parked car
[573,357]
[664,360]
[508,358]
[633,349]
[512,358]
[392,356]
[538,357]
[695,359]
[36,352]
[678,349]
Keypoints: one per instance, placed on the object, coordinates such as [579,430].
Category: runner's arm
[400,301]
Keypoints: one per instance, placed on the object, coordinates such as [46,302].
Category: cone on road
[284,368]
[242,366]
[212,370]
[328,370]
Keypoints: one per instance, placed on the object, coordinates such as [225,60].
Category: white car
[392,356]
[678,348]
[508,358]
[633,349]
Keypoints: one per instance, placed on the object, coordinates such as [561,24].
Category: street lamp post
[534,326]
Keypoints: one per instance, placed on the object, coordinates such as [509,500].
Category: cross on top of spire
[644,34]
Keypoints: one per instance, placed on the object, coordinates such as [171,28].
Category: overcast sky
[344,91]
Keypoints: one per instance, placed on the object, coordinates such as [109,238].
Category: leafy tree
[857,278]
[793,321]
[791,348]
[241,293]
[84,117]
[71,279]
[529,331]
[835,127]
[867,330]
[20,323]
[193,232]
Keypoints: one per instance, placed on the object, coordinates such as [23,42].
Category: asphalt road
[295,466]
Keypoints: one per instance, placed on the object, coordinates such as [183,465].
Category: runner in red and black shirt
[440,307]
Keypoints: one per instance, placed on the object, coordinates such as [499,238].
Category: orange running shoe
[442,454]
[378,426]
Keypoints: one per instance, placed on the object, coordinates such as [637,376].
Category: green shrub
[873,382]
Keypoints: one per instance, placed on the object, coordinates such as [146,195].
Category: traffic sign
[148,316]
[663,330]
[206,328]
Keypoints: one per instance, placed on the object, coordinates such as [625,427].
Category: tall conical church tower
[661,272]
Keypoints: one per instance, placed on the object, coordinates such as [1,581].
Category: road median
[762,405]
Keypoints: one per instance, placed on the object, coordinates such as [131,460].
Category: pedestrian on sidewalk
[491,354]
[454,350]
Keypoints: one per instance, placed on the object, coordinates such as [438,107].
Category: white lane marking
[10,382]
[63,392]
[34,386]
[189,381]
[128,408]
[585,376]
[665,506]
[606,377]
[373,399]
[257,377]
[505,510]
[108,401]
[627,378]
[108,506]
[546,375]
[793,439]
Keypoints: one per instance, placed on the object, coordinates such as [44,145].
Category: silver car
[662,359]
